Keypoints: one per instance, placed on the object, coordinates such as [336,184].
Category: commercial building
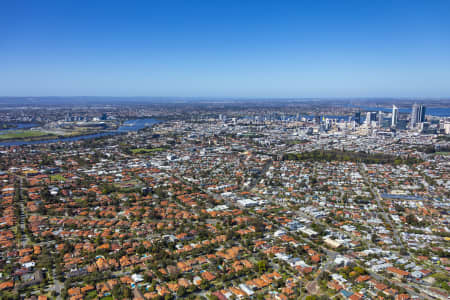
[394,116]
[417,114]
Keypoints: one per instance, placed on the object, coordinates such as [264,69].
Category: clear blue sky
[225,48]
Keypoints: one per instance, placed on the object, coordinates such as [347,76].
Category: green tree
[181,291]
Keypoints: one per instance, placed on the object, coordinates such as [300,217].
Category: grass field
[442,153]
[7,126]
[23,134]
[57,177]
[145,150]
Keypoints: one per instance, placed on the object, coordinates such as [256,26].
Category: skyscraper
[413,122]
[367,121]
[422,113]
[417,115]
[380,119]
[357,117]
[371,116]
[394,116]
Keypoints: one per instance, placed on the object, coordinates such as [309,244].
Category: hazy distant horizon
[386,101]
[299,98]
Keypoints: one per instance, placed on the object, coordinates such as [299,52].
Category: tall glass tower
[394,116]
[417,114]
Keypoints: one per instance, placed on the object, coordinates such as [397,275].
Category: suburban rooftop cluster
[217,207]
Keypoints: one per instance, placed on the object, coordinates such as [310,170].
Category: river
[127,126]
[432,111]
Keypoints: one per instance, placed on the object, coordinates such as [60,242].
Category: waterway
[432,111]
[127,126]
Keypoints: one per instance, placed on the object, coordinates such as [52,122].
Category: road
[331,254]
[25,240]
[22,217]
[256,179]
[57,285]
[379,199]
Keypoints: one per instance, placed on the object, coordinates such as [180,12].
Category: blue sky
[225,48]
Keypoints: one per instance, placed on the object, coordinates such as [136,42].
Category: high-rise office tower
[357,117]
[394,116]
[370,117]
[367,120]
[417,115]
[413,121]
[421,113]
[380,119]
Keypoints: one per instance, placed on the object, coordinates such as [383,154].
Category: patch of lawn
[23,134]
[442,153]
[146,150]
[91,295]
[57,177]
